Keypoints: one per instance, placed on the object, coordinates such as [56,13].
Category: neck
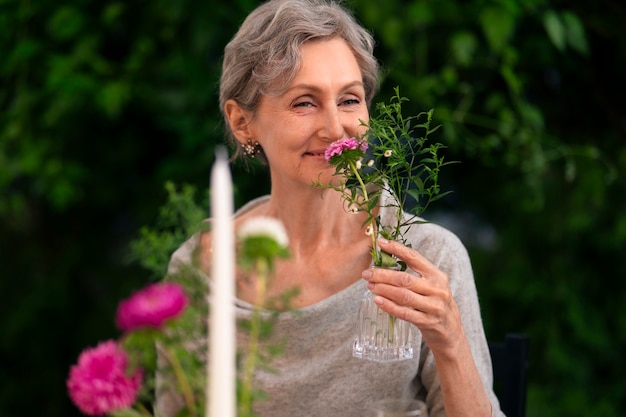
[315,218]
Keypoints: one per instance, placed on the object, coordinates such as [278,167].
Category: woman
[298,75]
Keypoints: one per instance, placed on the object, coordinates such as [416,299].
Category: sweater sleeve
[446,251]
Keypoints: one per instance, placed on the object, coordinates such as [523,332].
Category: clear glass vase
[381,337]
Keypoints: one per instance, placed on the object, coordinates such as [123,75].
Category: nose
[333,128]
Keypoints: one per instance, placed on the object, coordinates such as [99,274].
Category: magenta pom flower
[338,146]
[99,384]
[151,306]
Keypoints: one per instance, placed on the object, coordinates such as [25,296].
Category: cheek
[281,143]
[361,130]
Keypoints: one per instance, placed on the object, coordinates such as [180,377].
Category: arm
[449,320]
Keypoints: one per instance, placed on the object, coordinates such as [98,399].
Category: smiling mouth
[314,153]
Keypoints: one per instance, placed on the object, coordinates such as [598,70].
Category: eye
[350,99]
[303,104]
[303,101]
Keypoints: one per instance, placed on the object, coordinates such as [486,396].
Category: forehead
[330,57]
[327,58]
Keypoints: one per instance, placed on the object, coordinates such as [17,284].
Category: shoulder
[192,249]
[434,240]
[252,206]
[183,256]
[446,251]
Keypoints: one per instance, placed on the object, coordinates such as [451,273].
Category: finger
[380,274]
[418,316]
[404,289]
[420,309]
[401,296]
[411,257]
[400,279]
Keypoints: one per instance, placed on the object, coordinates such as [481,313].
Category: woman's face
[324,102]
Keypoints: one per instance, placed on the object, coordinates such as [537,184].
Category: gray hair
[264,55]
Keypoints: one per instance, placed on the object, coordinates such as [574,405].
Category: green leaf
[23,52]
[497,25]
[112,13]
[555,29]
[463,45]
[66,23]
[180,217]
[512,79]
[113,96]
[576,37]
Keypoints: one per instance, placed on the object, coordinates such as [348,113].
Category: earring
[250,148]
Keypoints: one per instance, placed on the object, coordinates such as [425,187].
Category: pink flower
[99,384]
[151,306]
[338,146]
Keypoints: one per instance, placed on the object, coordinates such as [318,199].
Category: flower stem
[143,410]
[262,269]
[355,171]
[392,329]
[180,377]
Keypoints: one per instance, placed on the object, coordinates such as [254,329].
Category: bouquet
[167,320]
[393,167]
[390,159]
[116,375]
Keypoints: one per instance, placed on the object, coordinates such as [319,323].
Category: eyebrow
[318,90]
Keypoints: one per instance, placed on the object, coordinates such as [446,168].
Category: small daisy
[388,153]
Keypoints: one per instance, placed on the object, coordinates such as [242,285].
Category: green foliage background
[102,102]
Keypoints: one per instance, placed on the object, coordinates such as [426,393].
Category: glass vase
[381,337]
[398,407]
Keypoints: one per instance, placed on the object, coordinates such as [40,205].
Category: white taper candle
[221,377]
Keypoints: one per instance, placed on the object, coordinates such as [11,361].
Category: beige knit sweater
[317,375]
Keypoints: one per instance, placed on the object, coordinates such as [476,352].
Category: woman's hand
[427,302]
[424,300]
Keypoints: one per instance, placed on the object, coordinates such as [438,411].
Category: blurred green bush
[102,103]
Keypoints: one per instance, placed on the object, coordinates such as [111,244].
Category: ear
[238,120]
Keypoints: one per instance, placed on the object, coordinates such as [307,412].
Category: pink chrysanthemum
[338,146]
[99,384]
[151,306]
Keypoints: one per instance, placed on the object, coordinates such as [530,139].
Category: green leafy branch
[400,161]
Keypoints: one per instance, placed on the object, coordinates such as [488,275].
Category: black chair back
[510,369]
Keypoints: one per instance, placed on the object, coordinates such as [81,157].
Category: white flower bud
[264,226]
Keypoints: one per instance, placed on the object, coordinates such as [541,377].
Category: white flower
[370,163]
[264,226]
[359,164]
[388,153]
[369,230]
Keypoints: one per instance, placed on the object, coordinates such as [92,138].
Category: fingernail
[367,274]
[370,286]
[383,240]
